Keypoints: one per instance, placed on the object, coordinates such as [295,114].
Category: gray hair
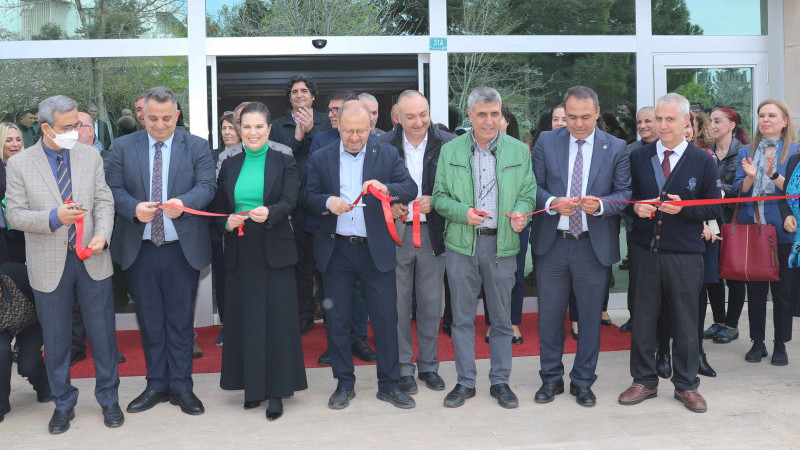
[240,106]
[678,99]
[352,104]
[161,94]
[140,96]
[645,109]
[57,103]
[582,93]
[365,97]
[483,94]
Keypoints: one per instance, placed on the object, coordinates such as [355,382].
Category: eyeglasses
[68,128]
[334,110]
[227,113]
[352,132]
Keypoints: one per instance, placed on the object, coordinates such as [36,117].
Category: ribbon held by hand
[197,212]
[386,204]
[83,252]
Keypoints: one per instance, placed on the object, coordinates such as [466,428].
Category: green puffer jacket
[454,192]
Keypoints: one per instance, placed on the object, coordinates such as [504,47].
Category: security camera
[319,43]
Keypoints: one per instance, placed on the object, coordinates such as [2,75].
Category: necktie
[65,187]
[665,163]
[575,191]
[157,225]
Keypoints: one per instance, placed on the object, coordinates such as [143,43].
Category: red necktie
[665,163]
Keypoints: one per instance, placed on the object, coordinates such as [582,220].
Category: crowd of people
[307,206]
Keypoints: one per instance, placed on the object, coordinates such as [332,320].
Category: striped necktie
[575,191]
[157,225]
[65,188]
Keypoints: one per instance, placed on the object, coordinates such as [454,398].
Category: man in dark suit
[101,129]
[353,241]
[162,249]
[577,241]
[668,250]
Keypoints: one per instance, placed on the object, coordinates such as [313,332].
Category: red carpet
[314,343]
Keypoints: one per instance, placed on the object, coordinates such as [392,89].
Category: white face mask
[66,140]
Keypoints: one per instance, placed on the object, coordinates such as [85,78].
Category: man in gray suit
[162,248]
[41,181]
[578,240]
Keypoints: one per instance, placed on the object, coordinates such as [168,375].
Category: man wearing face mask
[41,182]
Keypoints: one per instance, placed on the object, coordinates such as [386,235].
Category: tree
[694,92]
[671,17]
[49,32]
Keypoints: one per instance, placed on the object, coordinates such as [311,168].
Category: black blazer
[382,163]
[280,197]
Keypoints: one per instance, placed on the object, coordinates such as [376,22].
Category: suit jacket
[382,163]
[191,178]
[280,197]
[32,191]
[609,178]
[283,131]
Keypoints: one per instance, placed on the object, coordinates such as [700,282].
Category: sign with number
[438,44]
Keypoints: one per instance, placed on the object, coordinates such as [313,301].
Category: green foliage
[694,92]
[671,17]
[49,32]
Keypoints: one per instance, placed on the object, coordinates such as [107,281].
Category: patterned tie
[575,191]
[157,225]
[65,187]
[665,163]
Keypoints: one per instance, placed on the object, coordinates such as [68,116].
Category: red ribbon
[386,204]
[197,212]
[82,252]
[416,226]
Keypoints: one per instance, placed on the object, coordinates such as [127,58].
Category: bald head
[86,131]
[414,115]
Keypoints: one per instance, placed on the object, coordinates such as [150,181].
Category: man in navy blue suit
[353,241]
[578,241]
[162,249]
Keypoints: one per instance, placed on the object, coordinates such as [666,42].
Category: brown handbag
[748,252]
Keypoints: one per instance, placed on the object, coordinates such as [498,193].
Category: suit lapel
[77,173]
[562,144]
[333,166]
[176,155]
[143,152]
[369,159]
[234,168]
[43,167]
[599,150]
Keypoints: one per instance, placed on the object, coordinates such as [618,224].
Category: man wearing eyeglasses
[353,241]
[42,181]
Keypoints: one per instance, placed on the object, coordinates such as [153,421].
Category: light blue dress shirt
[169,229]
[351,168]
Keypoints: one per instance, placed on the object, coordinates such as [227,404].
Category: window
[710,17]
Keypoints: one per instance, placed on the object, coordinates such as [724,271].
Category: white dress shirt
[415,162]
[587,150]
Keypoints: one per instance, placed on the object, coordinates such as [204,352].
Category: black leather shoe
[250,404]
[758,351]
[59,423]
[432,380]
[583,395]
[188,402]
[547,393]
[112,415]
[120,357]
[606,322]
[574,334]
[76,358]
[306,325]
[275,408]
[324,359]
[705,368]
[446,329]
[779,356]
[147,400]
[664,366]
[458,396]
[362,351]
[627,327]
[504,395]
[517,340]
[341,397]
[408,385]
[5,411]
[397,398]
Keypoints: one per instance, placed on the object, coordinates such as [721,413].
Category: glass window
[710,17]
[91,19]
[709,88]
[541,17]
[227,18]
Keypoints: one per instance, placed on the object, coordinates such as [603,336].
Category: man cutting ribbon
[355,242]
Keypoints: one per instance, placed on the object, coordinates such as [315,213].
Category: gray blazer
[609,177]
[32,192]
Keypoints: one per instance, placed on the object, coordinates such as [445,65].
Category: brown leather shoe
[637,393]
[692,400]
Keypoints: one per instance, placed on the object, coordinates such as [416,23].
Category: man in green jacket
[481,176]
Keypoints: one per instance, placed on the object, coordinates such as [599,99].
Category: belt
[567,235]
[351,239]
[486,231]
[163,243]
[411,223]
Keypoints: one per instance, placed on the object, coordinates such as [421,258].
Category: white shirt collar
[422,144]
[679,149]
[589,139]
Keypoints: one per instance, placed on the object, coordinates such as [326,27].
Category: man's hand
[425,204]
[67,215]
[590,204]
[399,209]
[97,244]
[377,184]
[517,221]
[790,224]
[305,122]
[260,214]
[234,220]
[473,218]
[671,209]
[568,208]
[338,206]
[169,211]
[145,211]
[645,211]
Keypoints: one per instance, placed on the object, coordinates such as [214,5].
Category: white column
[439,80]
[645,92]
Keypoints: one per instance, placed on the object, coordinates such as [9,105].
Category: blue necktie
[575,190]
[65,188]
[157,226]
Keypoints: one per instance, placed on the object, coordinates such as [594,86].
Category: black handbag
[17,311]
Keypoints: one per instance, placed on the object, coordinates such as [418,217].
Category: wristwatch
[774,175]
